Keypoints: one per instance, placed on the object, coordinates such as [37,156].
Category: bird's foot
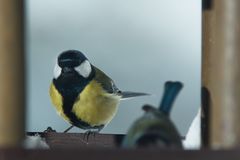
[89,133]
[49,130]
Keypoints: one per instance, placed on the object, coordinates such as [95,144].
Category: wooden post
[221,71]
[208,24]
[12,98]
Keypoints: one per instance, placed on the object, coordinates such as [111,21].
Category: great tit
[154,128]
[83,94]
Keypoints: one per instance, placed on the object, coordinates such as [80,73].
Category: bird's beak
[67,70]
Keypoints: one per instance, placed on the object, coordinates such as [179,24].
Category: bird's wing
[109,85]
[106,82]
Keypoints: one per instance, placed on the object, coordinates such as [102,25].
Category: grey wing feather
[106,82]
[109,85]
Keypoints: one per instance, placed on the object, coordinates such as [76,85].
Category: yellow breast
[96,107]
[57,101]
[93,106]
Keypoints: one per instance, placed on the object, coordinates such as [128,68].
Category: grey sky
[139,43]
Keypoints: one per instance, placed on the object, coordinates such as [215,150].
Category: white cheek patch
[57,71]
[84,69]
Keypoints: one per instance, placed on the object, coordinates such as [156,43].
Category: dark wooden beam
[117,154]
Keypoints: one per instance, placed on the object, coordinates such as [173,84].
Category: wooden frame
[117,154]
[220,83]
[12,70]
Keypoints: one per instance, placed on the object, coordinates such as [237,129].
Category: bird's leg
[100,128]
[93,132]
[87,134]
[69,128]
[97,131]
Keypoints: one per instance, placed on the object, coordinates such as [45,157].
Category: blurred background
[139,43]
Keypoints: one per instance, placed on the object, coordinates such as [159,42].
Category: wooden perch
[76,140]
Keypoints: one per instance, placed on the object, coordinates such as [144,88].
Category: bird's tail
[127,94]
[171,90]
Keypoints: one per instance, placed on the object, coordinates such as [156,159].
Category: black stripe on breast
[70,87]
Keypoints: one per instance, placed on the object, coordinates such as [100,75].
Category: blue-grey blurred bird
[154,128]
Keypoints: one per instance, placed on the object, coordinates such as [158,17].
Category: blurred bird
[154,128]
[84,95]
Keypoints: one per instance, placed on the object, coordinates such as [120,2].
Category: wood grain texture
[80,140]
[12,99]
[208,70]
[220,71]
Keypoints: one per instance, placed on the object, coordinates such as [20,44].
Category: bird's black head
[72,63]
[72,73]
[71,58]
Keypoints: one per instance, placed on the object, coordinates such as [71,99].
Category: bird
[155,129]
[82,94]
